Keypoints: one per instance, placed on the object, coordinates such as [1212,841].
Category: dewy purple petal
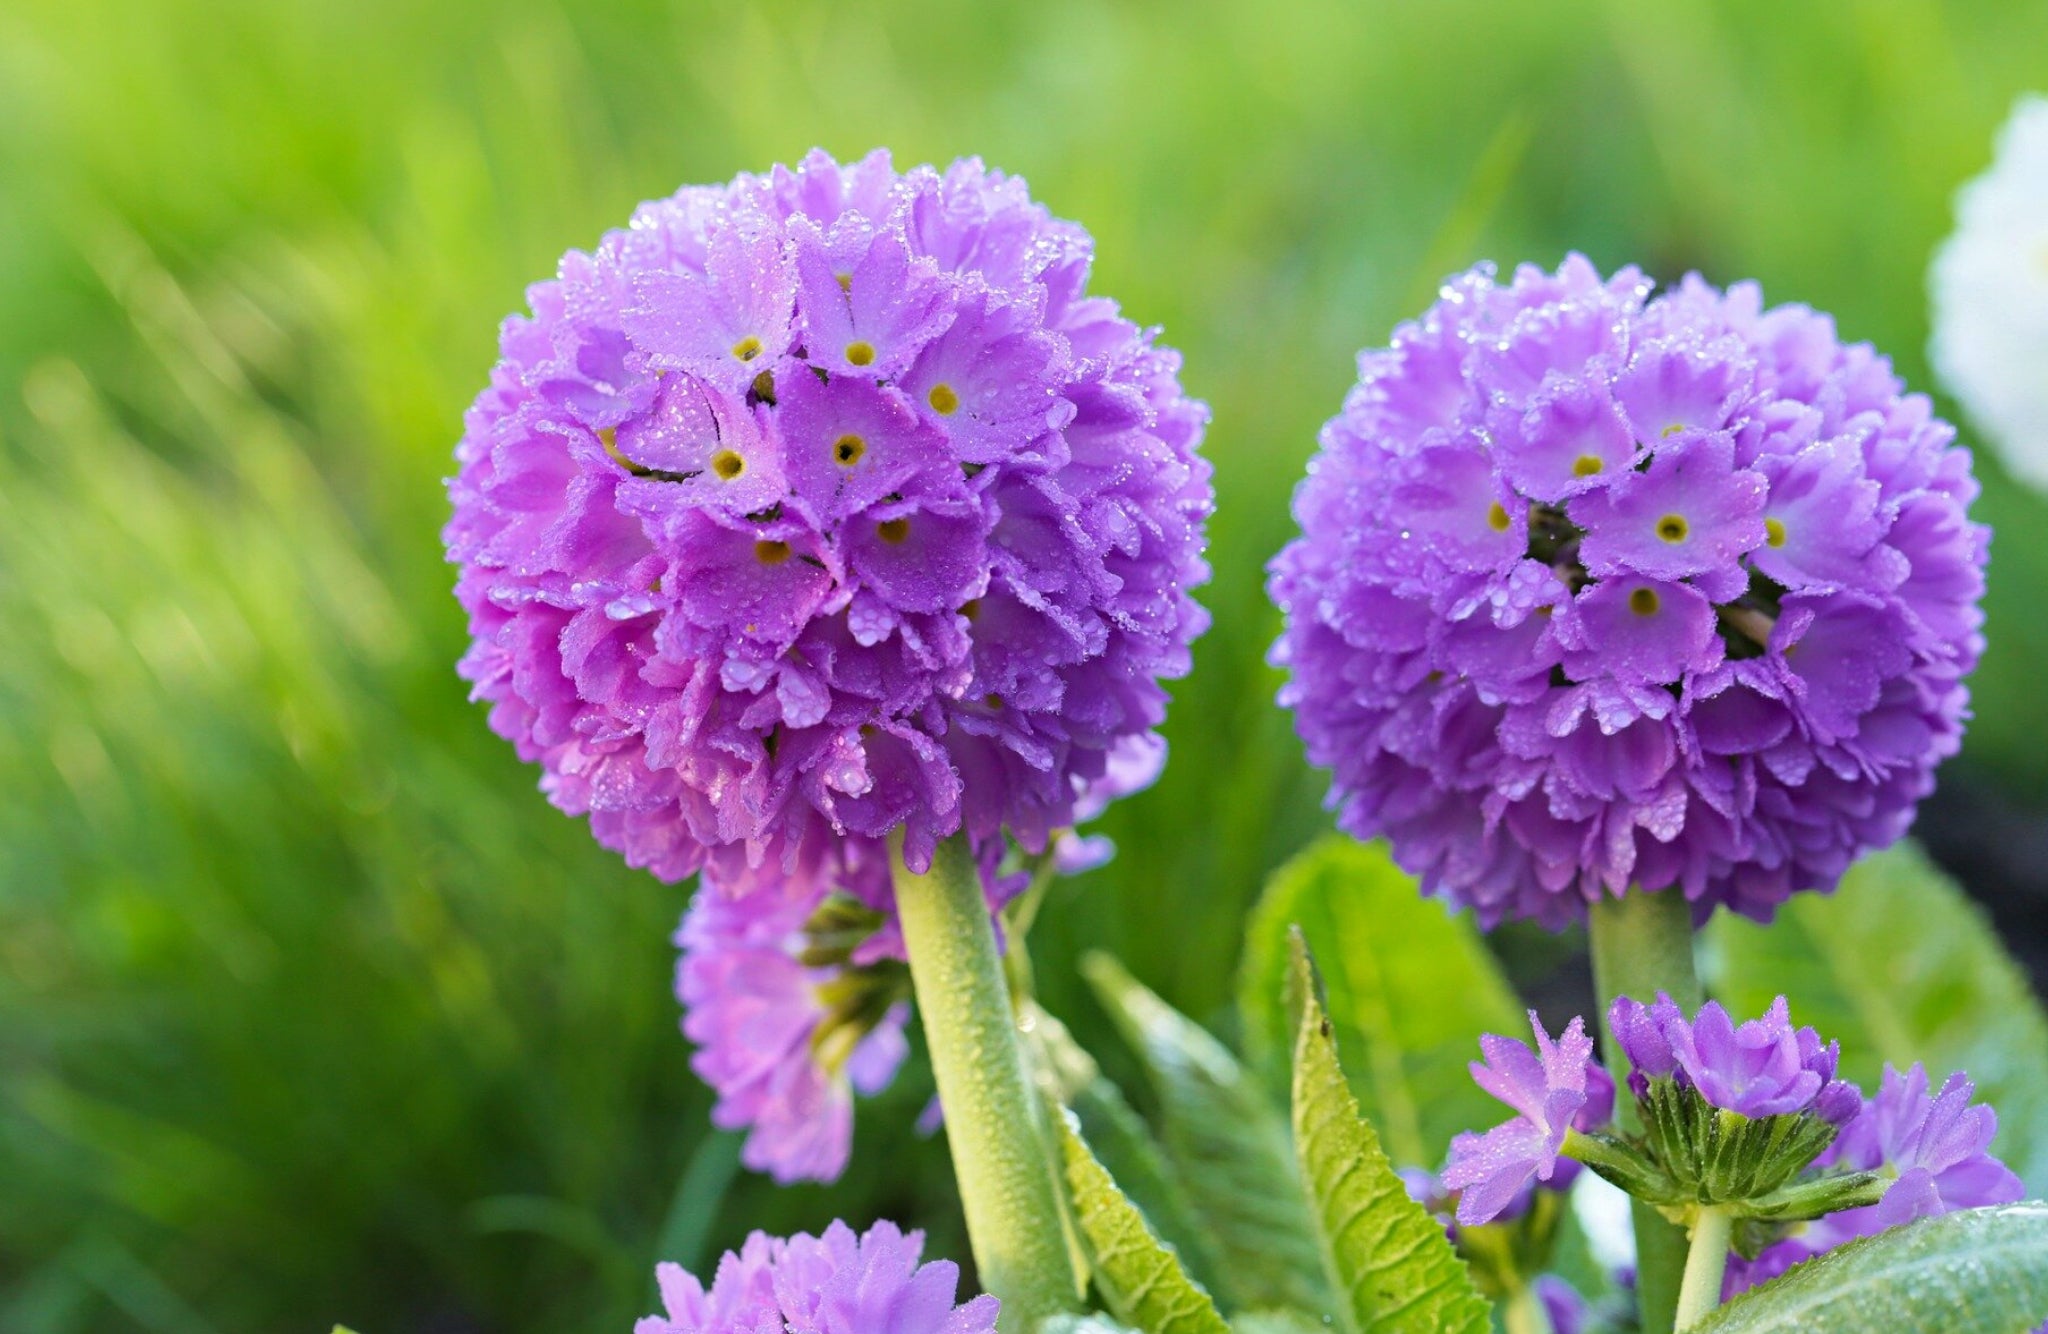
[1596,591]
[825,505]
[1553,1089]
[834,1284]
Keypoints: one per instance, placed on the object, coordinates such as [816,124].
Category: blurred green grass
[309,1008]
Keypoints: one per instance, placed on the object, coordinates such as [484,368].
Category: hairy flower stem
[992,1123]
[1642,944]
[1704,1265]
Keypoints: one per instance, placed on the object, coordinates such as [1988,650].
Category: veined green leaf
[1981,1271]
[1410,988]
[1138,1275]
[1899,966]
[1228,1143]
[1392,1266]
[1124,1144]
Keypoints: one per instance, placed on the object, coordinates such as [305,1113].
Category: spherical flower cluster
[1762,1067]
[1554,1090]
[795,992]
[1597,590]
[1938,1150]
[834,1284]
[1989,284]
[824,505]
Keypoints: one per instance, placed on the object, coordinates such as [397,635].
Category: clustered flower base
[1596,589]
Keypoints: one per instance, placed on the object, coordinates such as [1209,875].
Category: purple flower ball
[1762,1067]
[834,1284]
[797,1000]
[1597,590]
[823,505]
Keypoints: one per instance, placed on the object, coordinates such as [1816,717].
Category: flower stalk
[992,1123]
[1705,1263]
[1642,944]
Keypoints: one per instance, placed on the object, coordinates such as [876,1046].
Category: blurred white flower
[1990,289]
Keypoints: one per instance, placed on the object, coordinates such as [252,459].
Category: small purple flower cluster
[1937,1149]
[793,1015]
[1597,590]
[1763,1067]
[834,1284]
[823,505]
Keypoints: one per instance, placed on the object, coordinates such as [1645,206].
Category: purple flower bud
[824,505]
[834,1284]
[1549,1088]
[1597,591]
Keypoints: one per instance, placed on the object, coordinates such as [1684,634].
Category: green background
[310,1007]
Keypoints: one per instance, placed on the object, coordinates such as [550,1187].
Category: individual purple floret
[827,504]
[1763,1067]
[1937,1148]
[834,1284]
[794,1005]
[1554,1089]
[1595,590]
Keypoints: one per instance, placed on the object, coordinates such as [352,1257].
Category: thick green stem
[1704,1265]
[992,1122]
[1642,944]
[1524,1313]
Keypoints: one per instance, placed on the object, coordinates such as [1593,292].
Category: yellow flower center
[893,531]
[728,464]
[747,348]
[1586,465]
[1497,518]
[847,450]
[1673,528]
[1643,602]
[1774,532]
[860,354]
[771,552]
[943,400]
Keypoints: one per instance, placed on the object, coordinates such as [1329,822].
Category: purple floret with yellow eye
[1598,590]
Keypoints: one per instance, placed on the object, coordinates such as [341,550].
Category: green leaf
[1392,1266]
[1228,1143]
[1124,1144]
[1981,1271]
[1410,989]
[1138,1275]
[1899,966]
